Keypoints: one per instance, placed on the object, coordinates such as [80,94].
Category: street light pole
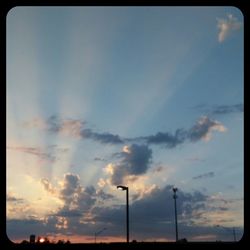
[127,202]
[175,210]
[127,209]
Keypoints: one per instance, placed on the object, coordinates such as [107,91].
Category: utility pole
[175,210]
[234,234]
[97,233]
[226,228]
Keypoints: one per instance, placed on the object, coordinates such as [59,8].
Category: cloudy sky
[147,97]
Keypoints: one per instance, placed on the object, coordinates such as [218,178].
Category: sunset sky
[146,97]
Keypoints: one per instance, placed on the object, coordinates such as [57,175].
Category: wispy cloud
[74,128]
[37,151]
[227,26]
[202,176]
[226,109]
[50,153]
[221,109]
[13,198]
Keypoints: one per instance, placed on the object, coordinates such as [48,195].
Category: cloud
[76,199]
[50,153]
[47,186]
[37,151]
[169,141]
[101,137]
[99,159]
[221,109]
[135,160]
[202,176]
[195,159]
[203,129]
[74,128]
[227,26]
[226,109]
[13,198]
[151,216]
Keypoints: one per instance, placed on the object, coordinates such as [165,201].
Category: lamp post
[233,231]
[127,210]
[99,232]
[175,210]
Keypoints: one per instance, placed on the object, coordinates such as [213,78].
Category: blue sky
[148,97]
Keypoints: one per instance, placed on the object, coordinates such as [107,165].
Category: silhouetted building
[32,238]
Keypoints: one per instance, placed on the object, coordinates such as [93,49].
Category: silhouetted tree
[25,242]
[60,242]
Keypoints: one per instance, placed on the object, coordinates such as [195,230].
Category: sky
[146,97]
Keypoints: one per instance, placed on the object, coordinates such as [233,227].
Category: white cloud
[227,26]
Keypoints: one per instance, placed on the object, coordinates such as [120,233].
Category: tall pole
[175,210]
[225,228]
[127,215]
[97,233]
[234,234]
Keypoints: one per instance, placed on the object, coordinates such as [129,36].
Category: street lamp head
[122,187]
[175,189]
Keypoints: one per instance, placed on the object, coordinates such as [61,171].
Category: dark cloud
[77,200]
[135,160]
[71,185]
[220,109]
[104,196]
[73,127]
[101,137]
[12,198]
[202,129]
[99,159]
[69,213]
[74,196]
[151,217]
[47,186]
[226,109]
[37,151]
[158,169]
[22,228]
[195,159]
[169,141]
[202,176]
[50,153]
[77,128]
